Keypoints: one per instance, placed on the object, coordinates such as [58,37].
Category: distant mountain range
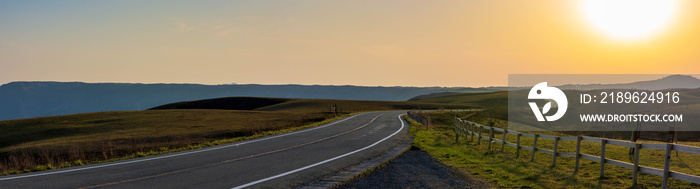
[37,99]
[668,82]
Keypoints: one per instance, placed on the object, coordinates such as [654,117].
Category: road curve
[277,161]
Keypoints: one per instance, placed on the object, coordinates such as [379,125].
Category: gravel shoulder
[416,169]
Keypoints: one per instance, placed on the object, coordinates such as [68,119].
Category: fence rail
[470,130]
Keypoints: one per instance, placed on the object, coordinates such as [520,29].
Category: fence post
[466,131]
[474,131]
[478,140]
[667,165]
[517,149]
[490,137]
[430,120]
[602,157]
[632,139]
[503,144]
[554,156]
[456,128]
[471,134]
[456,135]
[534,148]
[425,122]
[635,171]
[578,153]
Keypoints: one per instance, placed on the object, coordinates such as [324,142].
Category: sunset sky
[369,43]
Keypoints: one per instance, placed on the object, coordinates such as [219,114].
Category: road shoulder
[357,171]
[416,169]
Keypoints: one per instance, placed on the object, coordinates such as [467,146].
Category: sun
[629,20]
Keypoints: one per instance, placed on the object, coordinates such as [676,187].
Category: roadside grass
[506,170]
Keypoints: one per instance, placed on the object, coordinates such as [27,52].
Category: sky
[369,43]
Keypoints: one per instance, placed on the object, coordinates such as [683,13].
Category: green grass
[506,170]
[487,99]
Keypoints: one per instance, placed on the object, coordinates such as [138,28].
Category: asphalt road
[278,161]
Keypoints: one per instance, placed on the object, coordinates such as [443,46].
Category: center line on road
[322,162]
[232,160]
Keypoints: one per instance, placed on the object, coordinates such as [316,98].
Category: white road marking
[178,154]
[322,162]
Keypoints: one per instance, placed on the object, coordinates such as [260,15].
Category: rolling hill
[302,105]
[668,82]
[485,99]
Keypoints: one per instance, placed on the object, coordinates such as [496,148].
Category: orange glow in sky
[370,43]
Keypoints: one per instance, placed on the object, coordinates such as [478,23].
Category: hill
[302,105]
[668,82]
[36,99]
[486,99]
[228,103]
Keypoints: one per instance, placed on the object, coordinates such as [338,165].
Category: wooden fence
[470,130]
[420,118]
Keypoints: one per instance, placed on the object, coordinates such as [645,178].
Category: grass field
[50,142]
[487,99]
[495,105]
[507,170]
